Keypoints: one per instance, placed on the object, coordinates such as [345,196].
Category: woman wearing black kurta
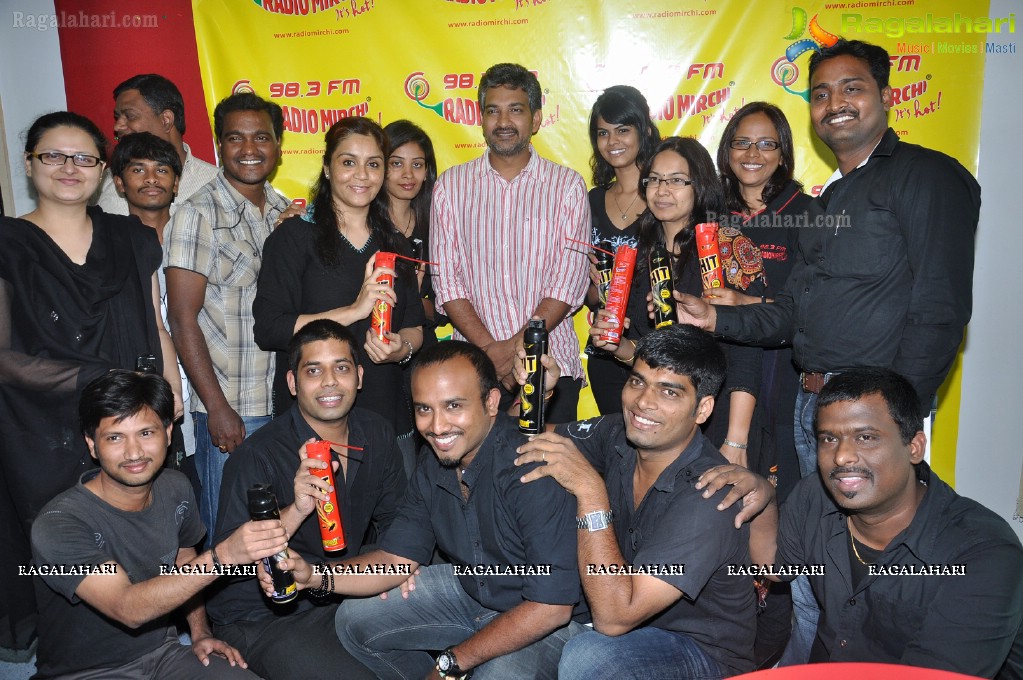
[78,297]
[320,266]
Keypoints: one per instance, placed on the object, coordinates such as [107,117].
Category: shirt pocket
[866,246]
[893,624]
[237,264]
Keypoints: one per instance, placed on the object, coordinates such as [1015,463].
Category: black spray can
[605,268]
[531,401]
[263,505]
[661,286]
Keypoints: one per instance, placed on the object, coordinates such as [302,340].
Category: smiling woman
[321,266]
[78,297]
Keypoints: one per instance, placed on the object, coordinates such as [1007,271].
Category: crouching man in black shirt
[905,570]
[654,558]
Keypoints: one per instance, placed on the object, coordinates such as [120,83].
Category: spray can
[263,505]
[380,321]
[710,255]
[618,292]
[605,268]
[661,286]
[531,394]
[332,533]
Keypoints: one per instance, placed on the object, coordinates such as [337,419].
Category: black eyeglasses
[745,144]
[672,182]
[82,160]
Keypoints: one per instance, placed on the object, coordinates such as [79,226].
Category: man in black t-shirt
[115,553]
[654,557]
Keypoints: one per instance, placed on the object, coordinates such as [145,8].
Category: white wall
[989,455]
[31,84]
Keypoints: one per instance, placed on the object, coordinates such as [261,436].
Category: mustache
[862,472]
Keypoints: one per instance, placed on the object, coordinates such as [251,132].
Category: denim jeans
[805,610]
[209,463]
[394,637]
[643,654]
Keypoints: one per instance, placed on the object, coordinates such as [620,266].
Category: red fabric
[96,60]
[852,671]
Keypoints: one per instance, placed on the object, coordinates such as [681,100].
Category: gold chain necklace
[856,552]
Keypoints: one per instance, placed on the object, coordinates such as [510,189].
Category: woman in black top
[622,137]
[756,159]
[79,296]
[411,174]
[320,266]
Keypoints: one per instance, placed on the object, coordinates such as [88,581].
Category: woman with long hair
[321,266]
[681,191]
[411,174]
[79,296]
[622,137]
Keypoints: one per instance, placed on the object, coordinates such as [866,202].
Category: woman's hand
[729,297]
[372,291]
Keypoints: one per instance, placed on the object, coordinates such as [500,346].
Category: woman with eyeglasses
[623,137]
[78,297]
[681,190]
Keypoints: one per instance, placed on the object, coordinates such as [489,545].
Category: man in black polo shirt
[503,608]
[296,640]
[677,613]
[913,573]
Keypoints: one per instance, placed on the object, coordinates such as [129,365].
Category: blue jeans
[805,609]
[643,654]
[392,637]
[209,463]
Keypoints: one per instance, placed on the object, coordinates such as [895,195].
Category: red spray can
[328,512]
[618,292]
[710,255]
[380,321]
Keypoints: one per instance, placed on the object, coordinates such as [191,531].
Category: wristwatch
[595,521]
[447,666]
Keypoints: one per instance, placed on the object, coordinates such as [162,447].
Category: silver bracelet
[735,445]
[408,357]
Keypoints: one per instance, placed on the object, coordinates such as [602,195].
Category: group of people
[610,547]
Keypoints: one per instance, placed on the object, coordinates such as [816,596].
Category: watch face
[444,662]
[598,521]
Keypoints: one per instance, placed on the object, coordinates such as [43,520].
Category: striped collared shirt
[501,246]
[219,234]
[195,174]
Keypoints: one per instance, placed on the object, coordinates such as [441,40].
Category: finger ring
[223,448]
[543,457]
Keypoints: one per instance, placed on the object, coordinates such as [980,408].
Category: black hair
[144,146]
[452,349]
[875,56]
[621,105]
[328,234]
[782,174]
[402,132]
[121,394]
[686,350]
[49,121]
[314,331]
[514,76]
[897,392]
[160,94]
[247,101]
[709,200]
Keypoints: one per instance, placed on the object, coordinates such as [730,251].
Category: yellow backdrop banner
[323,60]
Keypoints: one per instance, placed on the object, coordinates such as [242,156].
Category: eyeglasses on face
[672,182]
[745,144]
[82,160]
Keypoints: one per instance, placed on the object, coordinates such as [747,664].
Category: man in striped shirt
[498,228]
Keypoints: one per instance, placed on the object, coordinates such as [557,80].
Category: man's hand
[380,352]
[434,674]
[550,379]
[308,487]
[691,310]
[227,431]
[729,298]
[755,491]
[562,461]
[253,541]
[407,586]
[294,209]
[301,570]
[203,647]
[503,354]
